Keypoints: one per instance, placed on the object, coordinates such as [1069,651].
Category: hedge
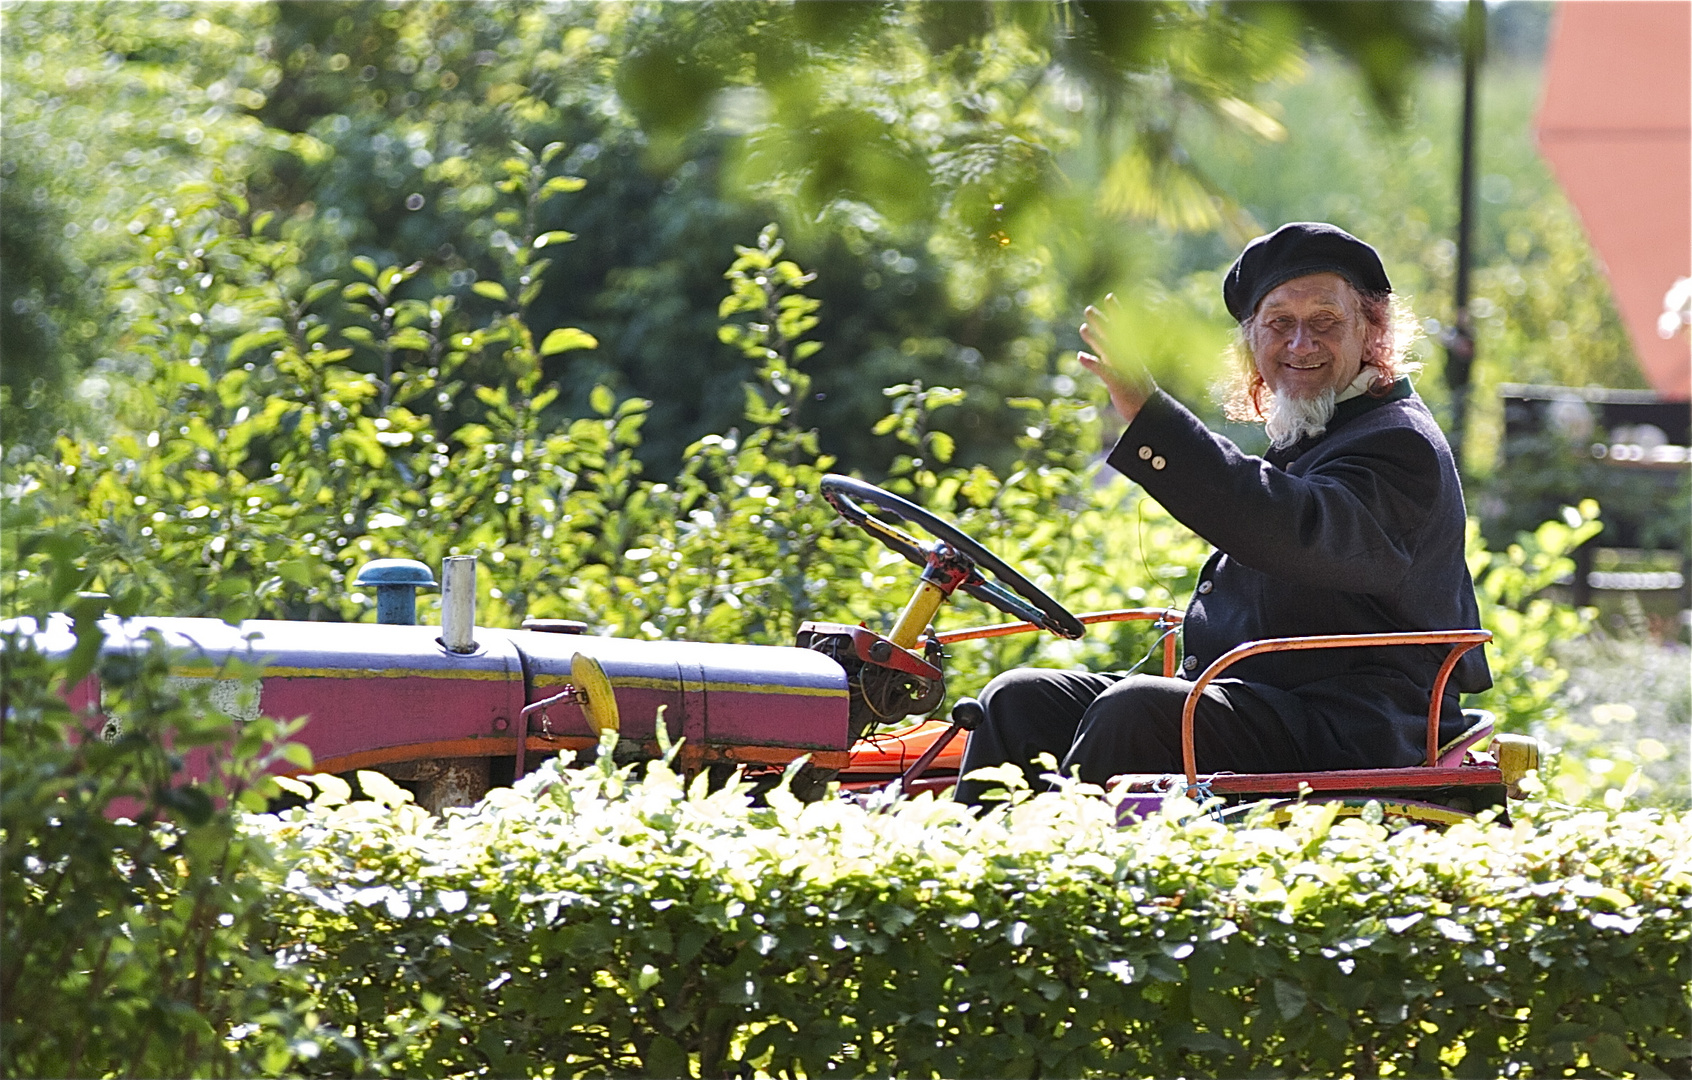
[592,922]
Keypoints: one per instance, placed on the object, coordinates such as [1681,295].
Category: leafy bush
[1510,587]
[126,946]
[1619,726]
[277,437]
[592,923]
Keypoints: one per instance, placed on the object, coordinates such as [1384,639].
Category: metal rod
[458,603]
[1460,339]
[917,614]
[569,693]
[922,763]
[1090,618]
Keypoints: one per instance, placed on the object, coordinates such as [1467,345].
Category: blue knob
[396,582]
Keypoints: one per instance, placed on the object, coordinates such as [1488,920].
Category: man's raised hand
[1128,382]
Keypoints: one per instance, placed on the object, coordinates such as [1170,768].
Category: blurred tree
[46,306]
[104,107]
[1543,309]
[912,152]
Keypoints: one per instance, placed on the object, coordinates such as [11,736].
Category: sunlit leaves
[125,885]
[722,935]
[953,94]
[566,338]
[1151,184]
[1385,41]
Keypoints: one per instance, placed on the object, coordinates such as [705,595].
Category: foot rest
[1475,736]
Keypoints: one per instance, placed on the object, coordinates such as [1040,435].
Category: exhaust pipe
[458,603]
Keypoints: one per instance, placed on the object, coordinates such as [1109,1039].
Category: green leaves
[766,293]
[659,927]
[602,400]
[559,185]
[126,886]
[557,236]
[566,338]
[665,1057]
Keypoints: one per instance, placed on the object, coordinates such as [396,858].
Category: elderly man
[1352,523]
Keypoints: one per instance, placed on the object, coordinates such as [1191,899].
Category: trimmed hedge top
[592,923]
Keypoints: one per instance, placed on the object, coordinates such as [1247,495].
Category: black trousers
[1106,724]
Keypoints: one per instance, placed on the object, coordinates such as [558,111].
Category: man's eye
[1322,326]
[1281,326]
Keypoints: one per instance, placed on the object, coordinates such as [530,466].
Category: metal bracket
[569,694]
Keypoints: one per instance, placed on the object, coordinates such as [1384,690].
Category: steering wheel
[1023,600]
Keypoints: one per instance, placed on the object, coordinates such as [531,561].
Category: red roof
[1616,126]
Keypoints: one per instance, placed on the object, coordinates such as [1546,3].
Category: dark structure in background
[1630,450]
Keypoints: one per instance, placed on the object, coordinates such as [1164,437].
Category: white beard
[1290,419]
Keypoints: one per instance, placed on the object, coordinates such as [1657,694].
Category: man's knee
[1135,726]
[1144,699]
[1017,690]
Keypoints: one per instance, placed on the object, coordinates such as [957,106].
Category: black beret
[1303,247]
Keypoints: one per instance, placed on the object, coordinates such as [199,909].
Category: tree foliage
[915,154]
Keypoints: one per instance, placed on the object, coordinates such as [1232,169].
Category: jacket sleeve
[1348,523]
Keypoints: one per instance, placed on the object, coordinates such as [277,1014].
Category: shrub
[594,923]
[125,946]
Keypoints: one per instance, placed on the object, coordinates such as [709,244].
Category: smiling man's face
[1308,336]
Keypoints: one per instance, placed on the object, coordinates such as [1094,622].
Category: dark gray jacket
[1358,531]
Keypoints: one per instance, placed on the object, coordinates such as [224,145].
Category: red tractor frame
[450,711]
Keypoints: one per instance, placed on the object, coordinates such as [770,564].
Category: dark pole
[1460,339]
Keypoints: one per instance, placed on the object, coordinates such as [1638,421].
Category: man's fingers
[1098,367]
[1105,309]
[1095,338]
[1128,391]
[1096,331]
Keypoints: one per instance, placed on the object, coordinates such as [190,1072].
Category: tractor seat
[1477,734]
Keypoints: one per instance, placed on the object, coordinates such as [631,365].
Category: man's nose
[1303,341]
